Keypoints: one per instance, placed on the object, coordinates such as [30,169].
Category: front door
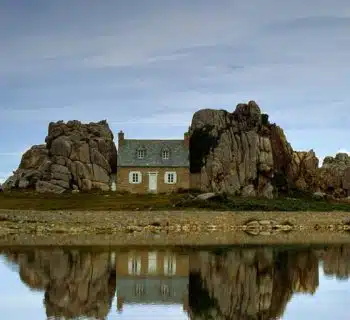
[152,182]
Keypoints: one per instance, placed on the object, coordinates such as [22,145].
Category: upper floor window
[164,289]
[139,290]
[165,154]
[141,153]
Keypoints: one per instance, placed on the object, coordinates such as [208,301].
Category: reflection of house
[151,277]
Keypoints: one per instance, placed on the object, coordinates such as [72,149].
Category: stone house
[151,277]
[155,166]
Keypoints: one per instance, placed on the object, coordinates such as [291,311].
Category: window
[135,177]
[139,290]
[170,177]
[141,153]
[164,289]
[165,154]
[134,265]
[152,262]
[169,265]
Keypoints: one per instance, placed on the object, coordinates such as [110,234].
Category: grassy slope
[114,201]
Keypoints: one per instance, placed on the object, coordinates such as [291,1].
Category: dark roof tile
[127,153]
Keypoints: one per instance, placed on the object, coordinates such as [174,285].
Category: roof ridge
[154,139]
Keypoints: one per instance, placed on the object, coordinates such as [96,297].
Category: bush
[264,119]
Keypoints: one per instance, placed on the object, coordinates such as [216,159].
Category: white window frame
[141,153]
[134,265]
[165,290]
[166,177]
[131,176]
[139,290]
[152,262]
[169,265]
[165,154]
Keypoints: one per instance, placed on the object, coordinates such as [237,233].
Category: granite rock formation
[75,156]
[76,284]
[242,153]
[334,175]
[249,283]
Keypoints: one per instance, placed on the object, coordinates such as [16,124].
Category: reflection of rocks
[76,283]
[250,283]
[336,261]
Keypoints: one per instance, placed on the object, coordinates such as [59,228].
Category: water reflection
[75,283]
[236,283]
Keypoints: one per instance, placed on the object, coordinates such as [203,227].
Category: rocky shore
[171,227]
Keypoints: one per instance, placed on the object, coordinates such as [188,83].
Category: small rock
[319,195]
[206,196]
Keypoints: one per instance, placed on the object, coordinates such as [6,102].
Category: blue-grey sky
[146,66]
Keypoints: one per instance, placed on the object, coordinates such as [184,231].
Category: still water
[175,283]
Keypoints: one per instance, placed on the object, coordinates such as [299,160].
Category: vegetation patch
[113,201]
[201,142]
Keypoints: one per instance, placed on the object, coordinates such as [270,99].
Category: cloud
[162,119]
[153,66]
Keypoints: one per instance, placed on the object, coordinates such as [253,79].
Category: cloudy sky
[146,66]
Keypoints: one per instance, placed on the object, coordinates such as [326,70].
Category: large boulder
[334,175]
[75,156]
[241,153]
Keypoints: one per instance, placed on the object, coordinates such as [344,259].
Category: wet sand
[85,228]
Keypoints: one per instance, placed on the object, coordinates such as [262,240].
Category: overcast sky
[147,66]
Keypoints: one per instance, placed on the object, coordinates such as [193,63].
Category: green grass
[115,201]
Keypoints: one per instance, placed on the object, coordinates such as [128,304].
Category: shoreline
[136,228]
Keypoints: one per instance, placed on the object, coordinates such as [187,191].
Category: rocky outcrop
[75,156]
[249,283]
[334,175]
[76,284]
[304,170]
[241,153]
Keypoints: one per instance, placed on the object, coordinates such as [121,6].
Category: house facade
[151,277]
[155,166]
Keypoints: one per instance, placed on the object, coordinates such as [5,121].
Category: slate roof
[178,288]
[127,153]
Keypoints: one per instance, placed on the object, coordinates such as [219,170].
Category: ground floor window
[170,177]
[152,262]
[169,265]
[134,265]
[135,177]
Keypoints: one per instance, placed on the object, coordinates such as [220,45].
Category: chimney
[120,304]
[187,139]
[120,138]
